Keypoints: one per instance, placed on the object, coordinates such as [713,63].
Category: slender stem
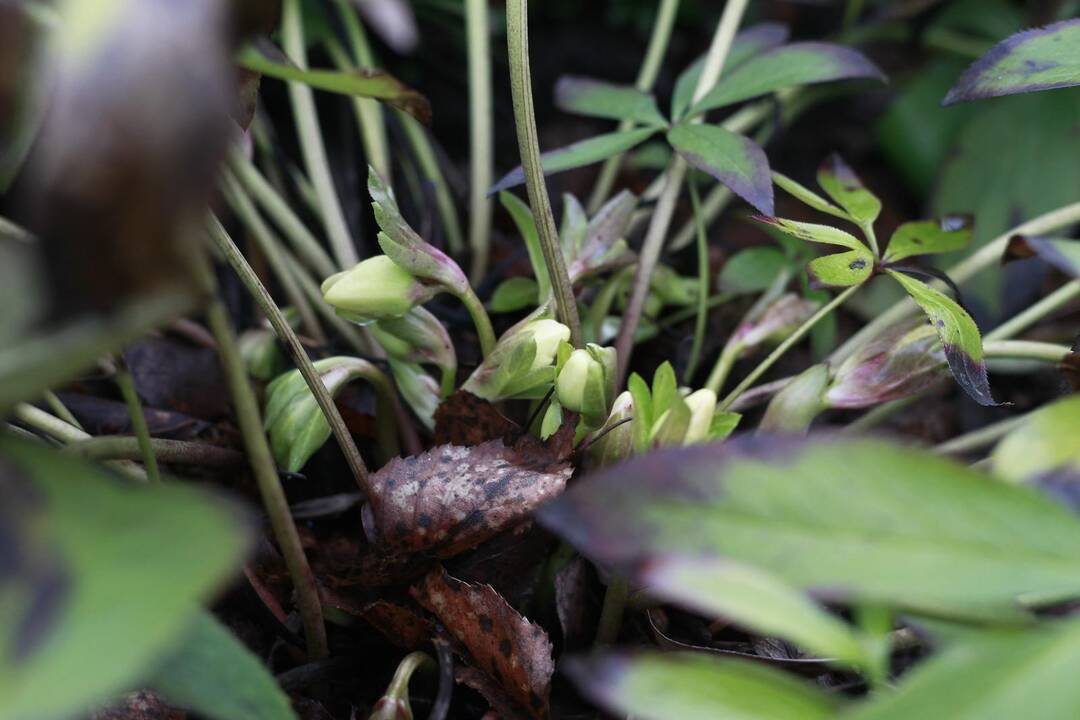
[517,37]
[173,452]
[481,320]
[429,166]
[703,284]
[1035,313]
[665,207]
[271,248]
[785,346]
[986,256]
[275,206]
[126,383]
[611,614]
[978,439]
[60,410]
[399,685]
[262,464]
[57,429]
[369,114]
[714,203]
[481,134]
[650,68]
[311,142]
[722,369]
[871,237]
[299,356]
[1025,350]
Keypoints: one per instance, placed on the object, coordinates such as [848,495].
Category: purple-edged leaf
[795,64]
[848,519]
[695,686]
[1039,59]
[748,43]
[841,183]
[579,154]
[1064,254]
[929,237]
[596,98]
[959,336]
[735,160]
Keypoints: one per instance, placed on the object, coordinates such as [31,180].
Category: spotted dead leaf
[496,640]
[465,419]
[452,498]
[400,620]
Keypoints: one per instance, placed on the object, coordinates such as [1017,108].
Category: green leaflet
[853,520]
[596,98]
[100,578]
[735,160]
[839,270]
[808,197]
[929,237]
[959,335]
[1032,60]
[579,154]
[787,66]
[212,673]
[842,184]
[695,686]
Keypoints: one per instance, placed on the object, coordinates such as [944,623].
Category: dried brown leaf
[465,419]
[507,648]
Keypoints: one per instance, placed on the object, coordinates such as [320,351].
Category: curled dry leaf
[507,648]
[452,498]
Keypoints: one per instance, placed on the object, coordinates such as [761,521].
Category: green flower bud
[586,383]
[376,288]
[418,389]
[903,360]
[702,404]
[615,444]
[794,408]
[773,323]
[522,363]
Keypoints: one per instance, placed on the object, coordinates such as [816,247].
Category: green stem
[60,410]
[126,383]
[173,452]
[481,134]
[262,464]
[611,614]
[984,436]
[481,320]
[429,166]
[67,434]
[1035,313]
[517,37]
[369,114]
[714,203]
[703,284]
[299,356]
[275,206]
[785,346]
[986,256]
[1025,350]
[650,68]
[311,142]
[722,369]
[871,237]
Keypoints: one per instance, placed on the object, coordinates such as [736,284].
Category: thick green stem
[1022,321]
[1025,350]
[517,37]
[57,429]
[984,436]
[60,410]
[481,320]
[299,356]
[311,142]
[611,614]
[786,345]
[126,383]
[703,285]
[650,68]
[986,256]
[274,501]
[173,452]
[481,135]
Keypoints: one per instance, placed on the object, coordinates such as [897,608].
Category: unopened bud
[615,441]
[522,363]
[900,362]
[795,407]
[702,404]
[376,288]
[586,383]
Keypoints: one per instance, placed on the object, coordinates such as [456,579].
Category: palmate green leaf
[267,59]
[748,43]
[853,520]
[733,159]
[579,154]
[1039,59]
[959,335]
[213,674]
[100,578]
[526,225]
[754,600]
[694,686]
[801,63]
[1048,441]
[596,98]
[996,675]
[929,237]
[1062,253]
[839,270]
[841,183]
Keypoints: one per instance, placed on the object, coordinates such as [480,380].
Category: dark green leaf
[733,159]
[795,64]
[100,578]
[997,675]
[579,154]
[928,237]
[270,61]
[857,520]
[1039,59]
[212,673]
[693,686]
[748,43]
[596,98]
[959,336]
[842,184]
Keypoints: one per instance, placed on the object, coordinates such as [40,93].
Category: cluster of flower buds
[584,384]
[522,364]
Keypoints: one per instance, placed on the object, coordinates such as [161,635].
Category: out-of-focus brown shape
[138,116]
[142,705]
